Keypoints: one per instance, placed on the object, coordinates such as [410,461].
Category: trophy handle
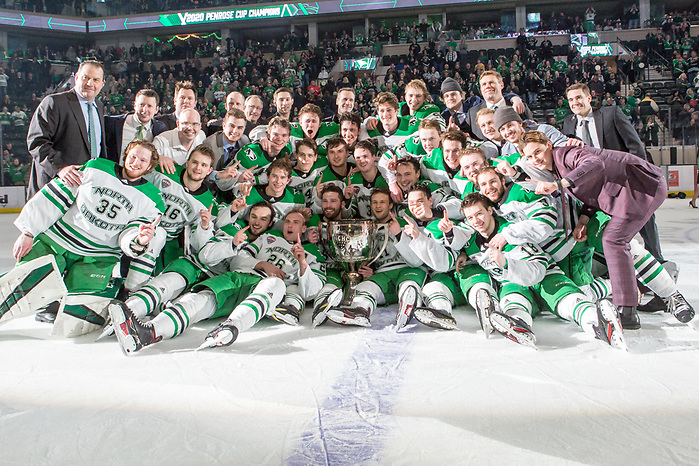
[385,241]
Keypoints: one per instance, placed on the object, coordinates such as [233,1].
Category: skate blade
[427,318]
[524,339]
[339,317]
[107,332]
[404,318]
[320,318]
[615,331]
[208,343]
[127,343]
[283,318]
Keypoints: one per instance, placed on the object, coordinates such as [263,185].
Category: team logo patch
[165,183]
[270,239]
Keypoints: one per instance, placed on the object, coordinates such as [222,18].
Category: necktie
[92,134]
[587,139]
[227,156]
[140,131]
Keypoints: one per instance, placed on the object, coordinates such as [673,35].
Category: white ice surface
[332,395]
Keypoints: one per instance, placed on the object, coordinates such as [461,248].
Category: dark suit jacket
[58,137]
[473,112]
[618,183]
[215,142]
[614,130]
[114,133]
[169,119]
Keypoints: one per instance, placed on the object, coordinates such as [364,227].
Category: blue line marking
[354,421]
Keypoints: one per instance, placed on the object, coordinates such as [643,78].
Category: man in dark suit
[225,144]
[491,85]
[67,130]
[621,185]
[608,128]
[185,97]
[120,130]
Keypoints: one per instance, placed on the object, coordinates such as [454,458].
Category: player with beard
[73,236]
[395,276]
[444,289]
[183,273]
[524,271]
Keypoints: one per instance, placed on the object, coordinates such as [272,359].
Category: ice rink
[351,396]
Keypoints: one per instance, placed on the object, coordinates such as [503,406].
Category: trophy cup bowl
[350,243]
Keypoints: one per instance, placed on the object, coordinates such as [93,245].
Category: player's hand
[167,165]
[320,185]
[396,192]
[518,104]
[298,251]
[245,189]
[392,163]
[371,123]
[265,144]
[241,236]
[271,270]
[574,142]
[497,242]
[313,235]
[71,175]
[248,175]
[421,212]
[22,246]
[452,126]
[506,169]
[445,225]
[411,229]
[238,204]
[205,215]
[394,226]
[365,271]
[350,190]
[497,257]
[545,187]
[580,231]
[147,231]
[229,172]
[461,261]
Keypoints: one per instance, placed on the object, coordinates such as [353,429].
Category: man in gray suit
[67,130]
[608,128]
[225,144]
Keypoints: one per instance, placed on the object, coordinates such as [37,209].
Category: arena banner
[12,198]
[239,14]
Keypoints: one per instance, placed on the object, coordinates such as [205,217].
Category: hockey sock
[266,295]
[368,295]
[187,310]
[578,308]
[140,271]
[517,305]
[600,288]
[650,272]
[436,295]
[157,291]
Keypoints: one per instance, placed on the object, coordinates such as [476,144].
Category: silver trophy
[351,243]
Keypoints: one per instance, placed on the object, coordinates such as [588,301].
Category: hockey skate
[319,313]
[485,306]
[679,307]
[358,316]
[408,302]
[48,315]
[513,328]
[435,318]
[223,335]
[609,328]
[133,335]
[629,318]
[285,313]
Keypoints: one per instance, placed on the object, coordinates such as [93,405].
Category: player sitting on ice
[184,272]
[523,271]
[395,276]
[254,286]
[73,234]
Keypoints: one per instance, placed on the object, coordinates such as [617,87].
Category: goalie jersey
[99,218]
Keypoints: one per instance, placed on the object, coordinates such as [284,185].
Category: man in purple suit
[623,186]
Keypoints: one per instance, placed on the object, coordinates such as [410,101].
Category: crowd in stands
[536,70]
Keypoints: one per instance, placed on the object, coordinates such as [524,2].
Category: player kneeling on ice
[260,274]
[396,275]
[73,233]
[524,270]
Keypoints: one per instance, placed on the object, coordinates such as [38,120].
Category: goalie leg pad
[30,286]
[80,314]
